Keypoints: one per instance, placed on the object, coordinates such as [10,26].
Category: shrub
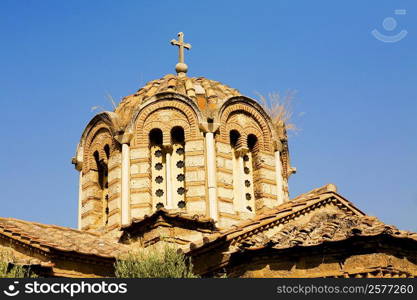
[10,270]
[153,262]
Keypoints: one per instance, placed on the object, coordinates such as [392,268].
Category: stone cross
[181,67]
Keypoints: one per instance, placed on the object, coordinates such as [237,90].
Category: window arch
[168,168]
[230,113]
[234,138]
[252,143]
[249,161]
[244,153]
[177,135]
[98,146]
[107,151]
[178,166]
[155,137]
[101,164]
[158,172]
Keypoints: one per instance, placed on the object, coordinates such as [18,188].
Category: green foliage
[9,270]
[154,262]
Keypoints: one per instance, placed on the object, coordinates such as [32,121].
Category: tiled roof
[325,227]
[166,218]
[52,237]
[201,220]
[191,87]
[286,211]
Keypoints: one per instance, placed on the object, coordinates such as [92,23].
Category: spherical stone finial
[181,68]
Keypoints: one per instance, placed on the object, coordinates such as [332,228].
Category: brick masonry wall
[114,181]
[91,202]
[195,176]
[265,181]
[140,182]
[228,214]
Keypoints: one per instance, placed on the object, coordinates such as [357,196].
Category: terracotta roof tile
[288,209]
[201,219]
[53,237]
[171,83]
[325,227]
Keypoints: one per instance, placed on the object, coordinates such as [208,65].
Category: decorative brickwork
[165,115]
[101,179]
[200,90]
[193,163]
[257,123]
[194,105]
[195,177]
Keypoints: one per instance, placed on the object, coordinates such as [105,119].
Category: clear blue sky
[356,103]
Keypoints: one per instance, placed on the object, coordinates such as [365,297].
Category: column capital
[209,127]
[124,138]
[167,147]
[278,145]
[241,151]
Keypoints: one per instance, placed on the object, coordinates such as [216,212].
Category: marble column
[278,178]
[211,176]
[80,199]
[125,209]
[170,201]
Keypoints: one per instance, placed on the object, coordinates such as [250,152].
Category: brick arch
[184,125]
[185,117]
[166,130]
[234,126]
[149,127]
[96,139]
[256,132]
[249,126]
[263,134]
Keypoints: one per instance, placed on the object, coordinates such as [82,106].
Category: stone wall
[336,263]
[140,182]
[91,202]
[265,181]
[195,177]
[225,190]
[115,183]
[92,206]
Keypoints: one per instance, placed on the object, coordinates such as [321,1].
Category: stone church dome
[185,144]
[209,95]
[193,164]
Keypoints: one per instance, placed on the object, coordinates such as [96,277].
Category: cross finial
[181,67]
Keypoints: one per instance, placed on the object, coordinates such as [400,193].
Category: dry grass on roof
[279,108]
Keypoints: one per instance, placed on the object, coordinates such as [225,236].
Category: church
[194,163]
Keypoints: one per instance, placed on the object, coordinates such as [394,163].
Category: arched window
[102,176]
[158,166]
[243,158]
[178,166]
[253,143]
[249,160]
[107,151]
[168,164]
[234,138]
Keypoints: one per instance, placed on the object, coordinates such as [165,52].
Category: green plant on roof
[154,262]
[9,268]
